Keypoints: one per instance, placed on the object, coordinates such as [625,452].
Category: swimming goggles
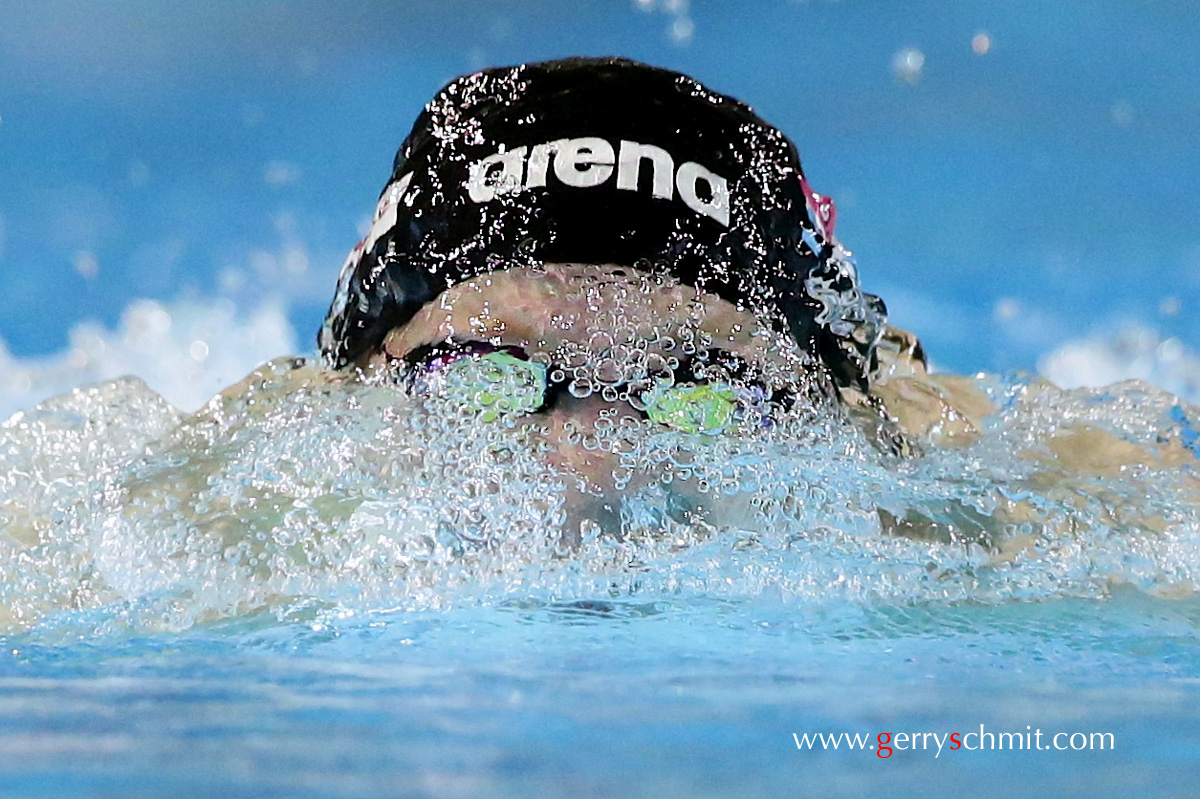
[500,381]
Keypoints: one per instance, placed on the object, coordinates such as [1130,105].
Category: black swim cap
[604,161]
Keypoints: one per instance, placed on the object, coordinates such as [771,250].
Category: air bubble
[580,388]
[609,371]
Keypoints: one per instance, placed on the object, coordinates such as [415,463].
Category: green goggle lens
[706,408]
[499,383]
[496,383]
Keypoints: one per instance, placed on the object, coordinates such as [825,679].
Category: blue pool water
[674,697]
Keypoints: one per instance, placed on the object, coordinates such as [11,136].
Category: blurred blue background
[1011,175]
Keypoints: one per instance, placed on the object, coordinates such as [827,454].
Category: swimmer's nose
[569,423]
[583,413]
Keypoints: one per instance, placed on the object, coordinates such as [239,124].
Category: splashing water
[305,495]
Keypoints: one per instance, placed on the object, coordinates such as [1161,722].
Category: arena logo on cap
[590,161]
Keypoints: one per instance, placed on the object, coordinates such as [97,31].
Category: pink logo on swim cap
[821,209]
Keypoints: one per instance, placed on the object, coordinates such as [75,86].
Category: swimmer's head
[604,161]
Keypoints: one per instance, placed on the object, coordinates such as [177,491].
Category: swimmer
[596,239]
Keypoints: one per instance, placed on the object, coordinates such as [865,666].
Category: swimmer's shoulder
[282,377]
[906,405]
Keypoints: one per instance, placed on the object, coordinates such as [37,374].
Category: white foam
[185,350]
[1132,352]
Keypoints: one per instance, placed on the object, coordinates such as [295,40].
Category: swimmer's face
[606,337]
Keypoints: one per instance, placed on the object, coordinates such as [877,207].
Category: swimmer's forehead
[549,307]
